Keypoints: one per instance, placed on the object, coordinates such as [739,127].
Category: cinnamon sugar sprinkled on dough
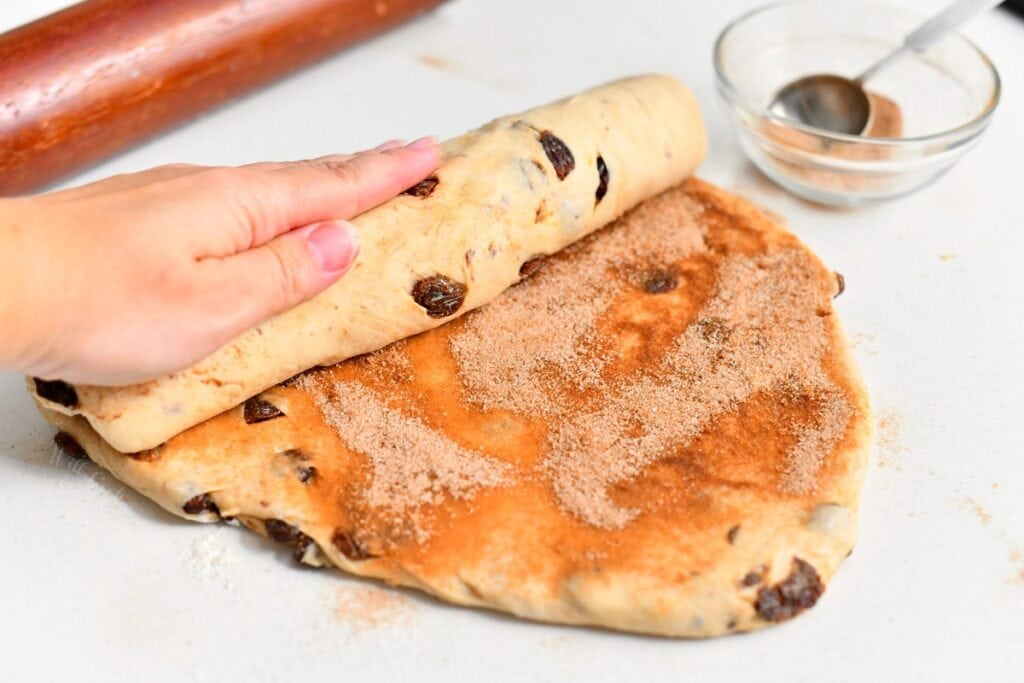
[412,464]
[758,333]
[539,350]
[813,443]
[544,327]
[391,362]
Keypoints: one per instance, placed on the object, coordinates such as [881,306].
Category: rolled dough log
[520,187]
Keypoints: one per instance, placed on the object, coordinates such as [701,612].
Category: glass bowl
[928,108]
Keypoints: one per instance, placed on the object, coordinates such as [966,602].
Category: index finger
[276,201]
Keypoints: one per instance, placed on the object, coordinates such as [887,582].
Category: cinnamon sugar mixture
[541,333]
[412,464]
[758,333]
[814,443]
[390,362]
[539,351]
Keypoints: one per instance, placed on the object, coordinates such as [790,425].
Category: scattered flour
[365,607]
[211,561]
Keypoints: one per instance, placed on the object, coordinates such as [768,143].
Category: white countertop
[98,583]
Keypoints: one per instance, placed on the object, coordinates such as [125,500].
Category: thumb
[291,268]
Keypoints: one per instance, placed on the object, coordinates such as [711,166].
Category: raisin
[282,532]
[750,579]
[531,266]
[731,534]
[348,546]
[602,180]
[558,153]
[257,410]
[659,281]
[57,391]
[301,546]
[68,446]
[423,188]
[200,503]
[440,296]
[307,474]
[294,454]
[797,592]
[840,285]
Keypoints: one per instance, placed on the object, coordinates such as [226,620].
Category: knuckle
[219,178]
[231,181]
[243,188]
[345,171]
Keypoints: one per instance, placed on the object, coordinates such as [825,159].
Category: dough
[520,187]
[658,430]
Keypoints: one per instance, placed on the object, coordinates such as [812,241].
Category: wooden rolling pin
[102,75]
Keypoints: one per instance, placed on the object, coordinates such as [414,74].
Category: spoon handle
[930,31]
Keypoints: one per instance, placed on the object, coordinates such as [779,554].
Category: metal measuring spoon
[839,104]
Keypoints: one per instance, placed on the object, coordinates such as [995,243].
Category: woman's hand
[139,275]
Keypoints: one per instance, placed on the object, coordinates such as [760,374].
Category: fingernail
[423,143]
[390,144]
[334,245]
